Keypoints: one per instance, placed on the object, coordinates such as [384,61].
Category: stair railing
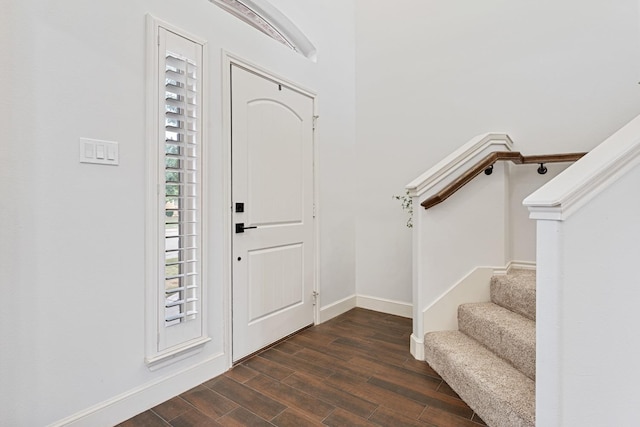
[456,250]
[486,165]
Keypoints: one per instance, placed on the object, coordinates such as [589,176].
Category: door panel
[275,280]
[276,187]
[272,175]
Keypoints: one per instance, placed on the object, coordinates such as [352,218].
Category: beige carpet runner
[491,360]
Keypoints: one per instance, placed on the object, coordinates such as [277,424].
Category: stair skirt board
[441,315]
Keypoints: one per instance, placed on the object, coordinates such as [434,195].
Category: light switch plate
[99,152]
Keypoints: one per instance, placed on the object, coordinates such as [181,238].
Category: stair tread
[498,392]
[516,291]
[508,334]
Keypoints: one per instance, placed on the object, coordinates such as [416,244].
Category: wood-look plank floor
[354,370]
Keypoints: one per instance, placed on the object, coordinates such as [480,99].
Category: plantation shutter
[180,210]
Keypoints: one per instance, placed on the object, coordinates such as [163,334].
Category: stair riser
[508,403]
[518,296]
[510,336]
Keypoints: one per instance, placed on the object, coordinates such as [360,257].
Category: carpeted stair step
[498,392]
[507,334]
[516,291]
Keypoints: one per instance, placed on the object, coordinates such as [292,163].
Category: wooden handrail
[484,164]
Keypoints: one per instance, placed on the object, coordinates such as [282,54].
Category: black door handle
[240,227]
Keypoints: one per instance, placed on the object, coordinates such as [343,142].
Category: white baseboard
[381,305]
[139,399]
[387,306]
[519,265]
[522,265]
[417,347]
[337,308]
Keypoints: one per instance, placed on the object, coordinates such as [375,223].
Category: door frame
[229,59]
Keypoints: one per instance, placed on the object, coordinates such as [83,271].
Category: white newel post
[417,336]
[588,293]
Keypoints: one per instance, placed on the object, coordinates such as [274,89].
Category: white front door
[272,194]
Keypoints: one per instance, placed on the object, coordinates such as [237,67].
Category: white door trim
[229,59]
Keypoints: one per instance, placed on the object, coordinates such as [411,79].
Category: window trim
[156,358]
[267,19]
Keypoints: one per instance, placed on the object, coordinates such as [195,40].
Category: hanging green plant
[407,205]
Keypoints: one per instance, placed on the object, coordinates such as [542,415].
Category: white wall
[524,180]
[330,26]
[431,75]
[72,245]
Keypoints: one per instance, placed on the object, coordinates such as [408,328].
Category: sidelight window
[175,284]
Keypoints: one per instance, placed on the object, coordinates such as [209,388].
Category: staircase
[491,360]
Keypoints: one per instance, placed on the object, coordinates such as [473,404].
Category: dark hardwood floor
[354,370]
